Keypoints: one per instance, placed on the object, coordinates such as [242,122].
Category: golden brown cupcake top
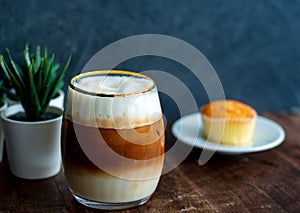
[228,109]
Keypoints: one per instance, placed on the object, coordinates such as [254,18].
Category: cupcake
[228,122]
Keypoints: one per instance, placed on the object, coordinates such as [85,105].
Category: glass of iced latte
[112,139]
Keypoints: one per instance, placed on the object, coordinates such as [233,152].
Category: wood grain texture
[259,182]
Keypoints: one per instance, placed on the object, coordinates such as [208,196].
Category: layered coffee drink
[112,139]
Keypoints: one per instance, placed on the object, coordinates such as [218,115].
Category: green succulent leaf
[26,57]
[16,68]
[57,83]
[37,59]
[17,84]
[31,103]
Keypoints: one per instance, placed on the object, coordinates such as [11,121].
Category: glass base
[110,206]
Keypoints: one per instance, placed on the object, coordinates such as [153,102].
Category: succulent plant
[35,82]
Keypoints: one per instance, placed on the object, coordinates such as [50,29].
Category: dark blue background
[253,45]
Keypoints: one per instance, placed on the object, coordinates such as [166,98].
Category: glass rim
[111,72]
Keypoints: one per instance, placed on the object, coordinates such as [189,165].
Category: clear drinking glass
[112,139]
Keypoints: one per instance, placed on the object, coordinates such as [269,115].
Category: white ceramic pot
[33,148]
[2,133]
[58,101]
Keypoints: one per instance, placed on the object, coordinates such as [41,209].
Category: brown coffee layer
[138,144]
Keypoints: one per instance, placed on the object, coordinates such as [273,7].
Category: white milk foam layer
[129,111]
[113,84]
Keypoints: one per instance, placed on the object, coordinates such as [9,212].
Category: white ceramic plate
[267,135]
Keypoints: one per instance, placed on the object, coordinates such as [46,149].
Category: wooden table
[260,182]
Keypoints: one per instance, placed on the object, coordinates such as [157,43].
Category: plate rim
[227,149]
